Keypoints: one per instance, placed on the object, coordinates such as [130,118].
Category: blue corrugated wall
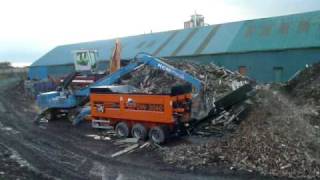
[260,65]
[38,72]
[60,70]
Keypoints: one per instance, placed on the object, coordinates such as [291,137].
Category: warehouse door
[243,70]
[278,74]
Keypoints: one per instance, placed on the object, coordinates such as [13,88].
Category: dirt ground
[58,150]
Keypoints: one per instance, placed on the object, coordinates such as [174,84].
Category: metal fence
[33,88]
[8,82]
[13,70]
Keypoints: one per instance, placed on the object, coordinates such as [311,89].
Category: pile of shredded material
[305,87]
[275,139]
[306,83]
[216,81]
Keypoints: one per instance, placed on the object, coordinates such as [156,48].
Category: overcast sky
[30,28]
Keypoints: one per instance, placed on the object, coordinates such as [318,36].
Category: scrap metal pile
[217,82]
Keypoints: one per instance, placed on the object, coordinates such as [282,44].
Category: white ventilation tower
[197,20]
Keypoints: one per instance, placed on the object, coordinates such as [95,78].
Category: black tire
[122,129]
[50,115]
[158,134]
[37,119]
[72,114]
[139,131]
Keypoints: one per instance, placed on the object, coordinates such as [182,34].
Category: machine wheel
[158,134]
[122,129]
[72,114]
[50,115]
[139,131]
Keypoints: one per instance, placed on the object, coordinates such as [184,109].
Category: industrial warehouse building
[268,50]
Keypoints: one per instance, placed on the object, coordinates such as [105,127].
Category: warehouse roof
[277,33]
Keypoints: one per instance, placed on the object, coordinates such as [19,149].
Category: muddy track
[61,151]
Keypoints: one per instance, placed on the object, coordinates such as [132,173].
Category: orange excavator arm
[116,57]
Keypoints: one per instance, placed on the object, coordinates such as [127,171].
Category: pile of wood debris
[274,139]
[305,88]
[216,81]
[306,85]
